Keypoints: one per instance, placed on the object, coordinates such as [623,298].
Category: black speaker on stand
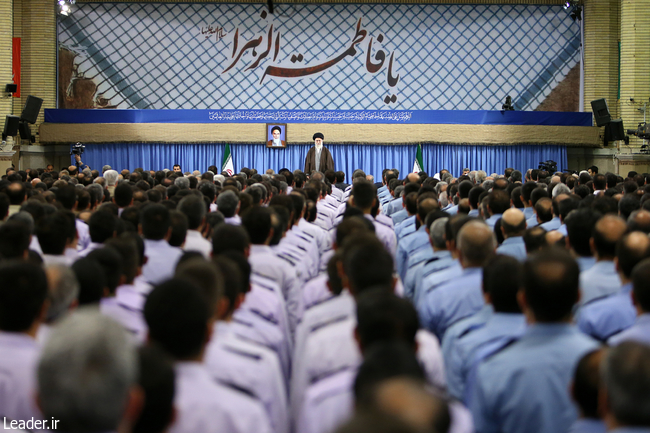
[31,109]
[11,127]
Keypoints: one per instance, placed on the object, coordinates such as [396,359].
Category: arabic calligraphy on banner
[317,57]
[273,45]
[311,116]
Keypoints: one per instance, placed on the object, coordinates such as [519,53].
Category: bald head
[413,177]
[513,223]
[630,250]
[544,209]
[607,232]
[639,221]
[409,400]
[555,238]
[476,243]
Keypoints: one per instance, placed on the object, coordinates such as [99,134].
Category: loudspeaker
[32,107]
[11,126]
[614,131]
[25,131]
[11,88]
[601,112]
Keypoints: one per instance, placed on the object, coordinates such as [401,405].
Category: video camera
[548,166]
[642,131]
[77,149]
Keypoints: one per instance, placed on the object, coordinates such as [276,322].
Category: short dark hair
[382,362]
[14,240]
[228,237]
[112,263]
[101,226]
[600,182]
[641,284]
[233,279]
[544,209]
[156,378]
[551,279]
[16,192]
[52,233]
[4,205]
[179,228]
[155,221]
[193,207]
[580,225]
[22,294]
[348,227]
[499,201]
[123,194]
[384,317]
[364,193]
[474,195]
[128,251]
[627,205]
[626,377]
[67,196]
[257,222]
[367,263]
[177,315]
[586,381]
[502,279]
[92,281]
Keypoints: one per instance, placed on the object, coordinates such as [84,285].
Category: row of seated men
[302,291]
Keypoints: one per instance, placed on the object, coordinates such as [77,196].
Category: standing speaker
[614,131]
[11,126]
[601,112]
[24,130]
[32,107]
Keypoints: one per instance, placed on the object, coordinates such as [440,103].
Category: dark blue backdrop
[370,158]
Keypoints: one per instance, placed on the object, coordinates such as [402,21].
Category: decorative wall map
[316,57]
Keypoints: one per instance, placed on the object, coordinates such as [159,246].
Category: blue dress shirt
[605,317]
[473,213]
[588,425]
[498,326]
[553,224]
[399,216]
[444,270]
[440,261]
[408,246]
[639,332]
[585,262]
[493,220]
[405,227]
[529,212]
[599,281]
[452,301]
[414,267]
[532,221]
[514,247]
[525,387]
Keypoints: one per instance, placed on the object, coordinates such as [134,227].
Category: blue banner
[456,117]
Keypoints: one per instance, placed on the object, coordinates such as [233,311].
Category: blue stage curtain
[372,159]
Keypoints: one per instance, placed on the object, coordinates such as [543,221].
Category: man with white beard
[319,157]
[276,131]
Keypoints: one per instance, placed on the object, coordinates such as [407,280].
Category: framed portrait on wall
[276,135]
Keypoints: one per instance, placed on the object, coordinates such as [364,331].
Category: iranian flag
[417,165]
[226,165]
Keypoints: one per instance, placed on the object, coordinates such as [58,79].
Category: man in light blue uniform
[640,331]
[418,240]
[446,266]
[462,296]
[526,190]
[544,211]
[498,203]
[513,227]
[524,387]
[396,204]
[409,196]
[584,390]
[501,281]
[602,279]
[580,224]
[417,262]
[626,380]
[605,317]
[535,196]
[473,197]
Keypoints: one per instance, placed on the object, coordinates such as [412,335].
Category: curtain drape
[372,159]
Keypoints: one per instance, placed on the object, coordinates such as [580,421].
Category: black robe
[326,161]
